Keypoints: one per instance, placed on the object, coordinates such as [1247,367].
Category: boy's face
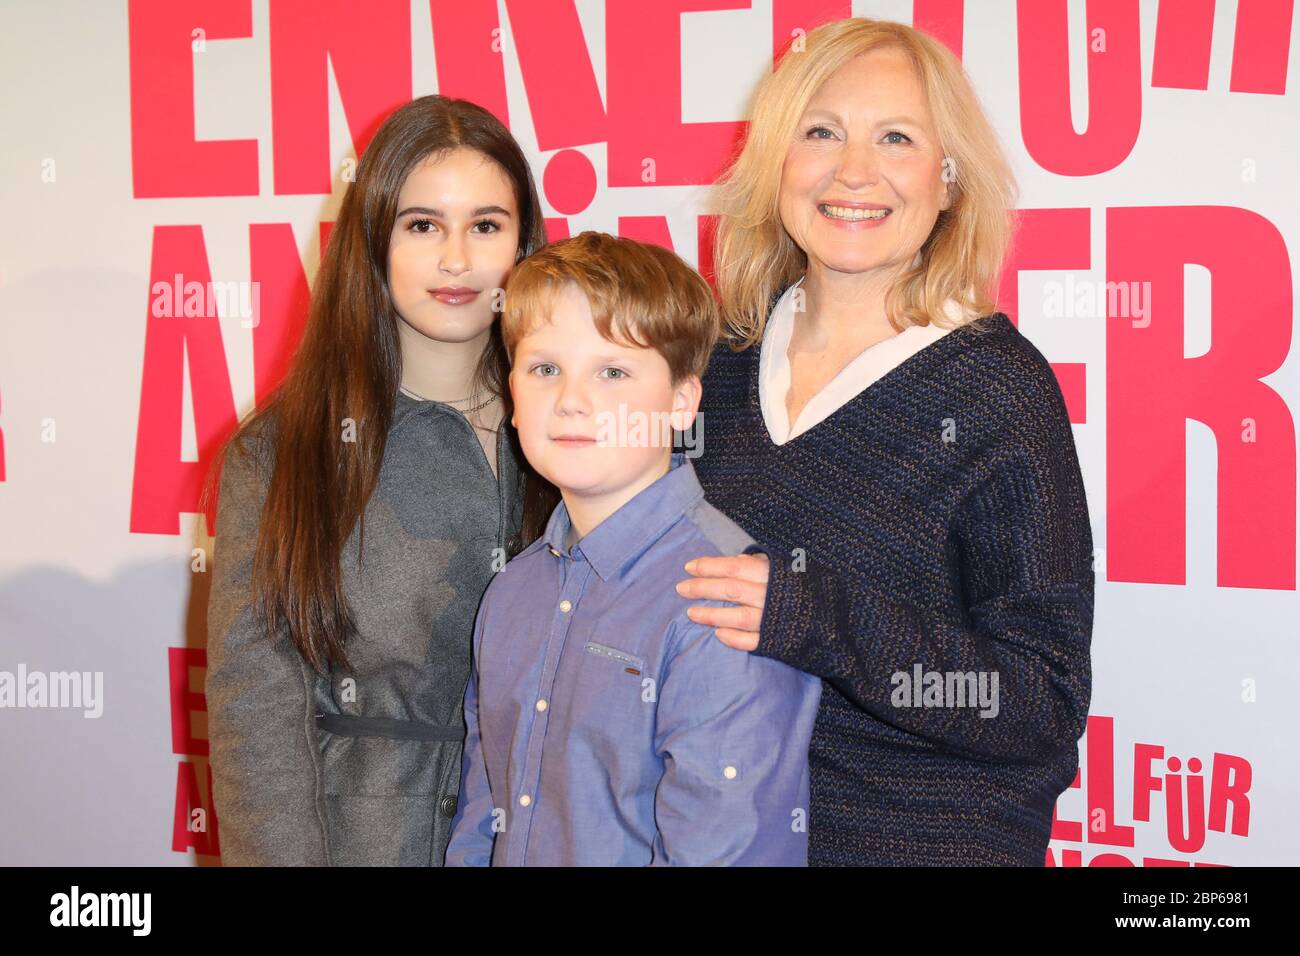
[595,417]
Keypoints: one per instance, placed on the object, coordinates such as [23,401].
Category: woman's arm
[1024,542]
[261,719]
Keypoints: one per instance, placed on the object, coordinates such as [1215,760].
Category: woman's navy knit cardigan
[937,520]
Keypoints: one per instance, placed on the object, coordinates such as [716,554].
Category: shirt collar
[626,534]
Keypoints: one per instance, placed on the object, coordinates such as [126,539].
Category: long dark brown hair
[348,366]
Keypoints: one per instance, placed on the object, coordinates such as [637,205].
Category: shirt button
[525,800]
[448,806]
[541,705]
[554,552]
[566,606]
[729,773]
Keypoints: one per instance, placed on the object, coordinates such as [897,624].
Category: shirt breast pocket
[613,702]
[631,664]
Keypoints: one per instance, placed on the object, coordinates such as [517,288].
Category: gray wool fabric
[358,768]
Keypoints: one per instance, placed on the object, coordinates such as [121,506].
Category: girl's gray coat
[360,768]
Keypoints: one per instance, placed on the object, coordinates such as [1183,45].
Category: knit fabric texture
[929,542]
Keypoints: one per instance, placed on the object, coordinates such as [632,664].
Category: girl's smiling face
[457,228]
[862,183]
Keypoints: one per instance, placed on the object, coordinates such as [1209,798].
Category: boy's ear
[686,402]
[510,384]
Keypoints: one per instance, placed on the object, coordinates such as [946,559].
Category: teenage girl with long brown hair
[365,506]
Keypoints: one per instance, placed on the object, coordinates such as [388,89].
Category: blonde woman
[902,454]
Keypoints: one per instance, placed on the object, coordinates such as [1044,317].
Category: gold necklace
[464,411]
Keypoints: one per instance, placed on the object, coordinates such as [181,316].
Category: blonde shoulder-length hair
[755,258]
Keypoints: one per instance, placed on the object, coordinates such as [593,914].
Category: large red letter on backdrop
[166,160]
[369,48]
[1048,239]
[1114,86]
[163,485]
[1151,391]
[644,91]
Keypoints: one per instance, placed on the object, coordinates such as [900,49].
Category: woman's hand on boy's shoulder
[739,579]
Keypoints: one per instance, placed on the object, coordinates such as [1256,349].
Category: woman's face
[457,228]
[862,183]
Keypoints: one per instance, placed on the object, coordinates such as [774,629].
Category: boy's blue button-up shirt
[606,728]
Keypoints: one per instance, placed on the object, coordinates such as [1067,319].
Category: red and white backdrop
[154,144]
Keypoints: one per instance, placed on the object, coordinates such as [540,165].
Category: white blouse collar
[868,367]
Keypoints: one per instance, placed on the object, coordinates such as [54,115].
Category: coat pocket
[390,789]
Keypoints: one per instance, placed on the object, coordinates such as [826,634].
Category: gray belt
[347,725]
